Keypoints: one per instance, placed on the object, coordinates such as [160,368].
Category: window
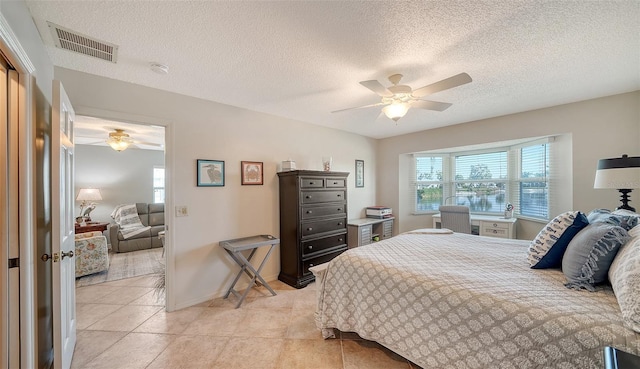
[533,184]
[485,180]
[158,185]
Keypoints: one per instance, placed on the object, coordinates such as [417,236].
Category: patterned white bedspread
[463,301]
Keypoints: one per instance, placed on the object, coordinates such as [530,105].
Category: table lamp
[622,174]
[86,195]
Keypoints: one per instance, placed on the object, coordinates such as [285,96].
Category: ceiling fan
[397,99]
[120,141]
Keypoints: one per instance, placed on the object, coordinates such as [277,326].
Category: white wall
[199,129]
[124,177]
[601,128]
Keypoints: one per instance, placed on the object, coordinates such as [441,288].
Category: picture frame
[359,173]
[210,173]
[251,173]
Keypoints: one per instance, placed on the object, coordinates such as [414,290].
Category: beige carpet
[126,265]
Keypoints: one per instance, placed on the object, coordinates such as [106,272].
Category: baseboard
[219,293]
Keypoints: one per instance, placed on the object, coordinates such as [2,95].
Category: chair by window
[455,218]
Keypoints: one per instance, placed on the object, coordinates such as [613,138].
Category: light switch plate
[182,211]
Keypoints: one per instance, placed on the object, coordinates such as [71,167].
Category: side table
[235,247]
[90,227]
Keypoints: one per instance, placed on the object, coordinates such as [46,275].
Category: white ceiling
[304,59]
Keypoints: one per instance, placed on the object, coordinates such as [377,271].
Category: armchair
[92,253]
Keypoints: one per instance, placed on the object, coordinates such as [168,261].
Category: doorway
[122,163]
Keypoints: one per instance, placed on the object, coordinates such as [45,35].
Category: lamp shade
[89,194]
[618,173]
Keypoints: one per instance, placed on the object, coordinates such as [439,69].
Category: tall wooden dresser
[313,222]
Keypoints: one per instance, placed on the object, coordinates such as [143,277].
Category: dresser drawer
[320,260]
[309,212]
[322,226]
[312,197]
[314,246]
[494,232]
[311,182]
[494,225]
[337,182]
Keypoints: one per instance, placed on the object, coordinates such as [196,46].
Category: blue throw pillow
[546,250]
[590,254]
[622,218]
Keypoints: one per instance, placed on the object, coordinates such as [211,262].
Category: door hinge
[14,263]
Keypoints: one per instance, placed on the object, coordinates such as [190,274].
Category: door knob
[64,254]
[45,257]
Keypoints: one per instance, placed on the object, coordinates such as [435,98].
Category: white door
[9,238]
[63,245]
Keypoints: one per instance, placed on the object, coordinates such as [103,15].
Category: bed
[463,301]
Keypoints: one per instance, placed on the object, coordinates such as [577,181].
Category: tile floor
[122,324]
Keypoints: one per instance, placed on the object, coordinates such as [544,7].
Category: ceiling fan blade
[430,105]
[445,84]
[377,87]
[148,143]
[359,107]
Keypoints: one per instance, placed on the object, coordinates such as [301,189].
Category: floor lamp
[622,174]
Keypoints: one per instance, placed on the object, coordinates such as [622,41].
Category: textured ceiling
[304,59]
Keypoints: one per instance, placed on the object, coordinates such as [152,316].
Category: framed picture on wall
[210,173]
[251,173]
[359,173]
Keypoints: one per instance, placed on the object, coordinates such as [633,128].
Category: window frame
[158,188]
[512,183]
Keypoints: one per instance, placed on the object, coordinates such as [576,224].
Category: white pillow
[624,275]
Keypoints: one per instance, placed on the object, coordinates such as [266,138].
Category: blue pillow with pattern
[547,249]
[590,254]
[621,218]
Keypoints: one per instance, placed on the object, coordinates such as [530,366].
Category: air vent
[73,41]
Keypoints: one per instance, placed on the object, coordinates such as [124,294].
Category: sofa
[150,215]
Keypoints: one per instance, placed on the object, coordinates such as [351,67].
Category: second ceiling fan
[397,99]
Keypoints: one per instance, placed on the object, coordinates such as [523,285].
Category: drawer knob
[310,183]
[309,229]
[339,223]
[310,264]
[310,247]
[339,195]
[495,224]
[495,231]
[308,196]
[309,211]
[339,209]
[339,239]
[335,183]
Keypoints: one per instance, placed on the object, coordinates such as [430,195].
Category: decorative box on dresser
[313,222]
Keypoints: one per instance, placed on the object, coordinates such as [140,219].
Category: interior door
[9,237]
[63,245]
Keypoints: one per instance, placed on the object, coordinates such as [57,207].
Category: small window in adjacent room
[158,185]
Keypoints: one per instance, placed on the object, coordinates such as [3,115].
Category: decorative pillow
[622,218]
[624,275]
[546,250]
[590,254]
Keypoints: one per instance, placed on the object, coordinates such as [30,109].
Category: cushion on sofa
[590,254]
[546,250]
[624,275]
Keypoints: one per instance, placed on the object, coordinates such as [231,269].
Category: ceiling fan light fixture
[396,111]
[119,140]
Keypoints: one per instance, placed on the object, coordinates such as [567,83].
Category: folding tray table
[235,247]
